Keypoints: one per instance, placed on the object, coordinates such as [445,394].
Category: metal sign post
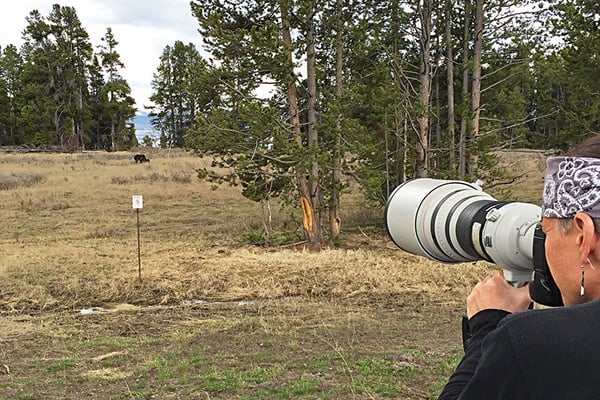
[138,203]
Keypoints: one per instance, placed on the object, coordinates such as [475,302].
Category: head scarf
[571,185]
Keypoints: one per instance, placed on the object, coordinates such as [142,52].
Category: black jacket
[536,354]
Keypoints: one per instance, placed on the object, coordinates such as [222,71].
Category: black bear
[140,158]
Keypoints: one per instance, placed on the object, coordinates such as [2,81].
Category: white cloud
[142,27]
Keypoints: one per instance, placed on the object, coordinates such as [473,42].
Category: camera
[453,221]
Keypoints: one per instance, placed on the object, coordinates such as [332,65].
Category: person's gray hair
[564,225]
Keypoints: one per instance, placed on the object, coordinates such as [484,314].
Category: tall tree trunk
[434,158]
[400,125]
[336,176]
[476,79]
[422,166]
[310,223]
[113,125]
[79,120]
[464,118]
[400,135]
[113,135]
[56,118]
[450,88]
[313,135]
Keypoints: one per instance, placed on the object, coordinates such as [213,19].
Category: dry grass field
[211,317]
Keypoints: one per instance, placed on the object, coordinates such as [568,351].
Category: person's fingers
[493,292]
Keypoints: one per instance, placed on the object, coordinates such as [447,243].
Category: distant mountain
[142,122]
[143,127]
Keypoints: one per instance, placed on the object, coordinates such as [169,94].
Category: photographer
[551,353]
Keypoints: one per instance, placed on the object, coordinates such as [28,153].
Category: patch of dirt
[116,354]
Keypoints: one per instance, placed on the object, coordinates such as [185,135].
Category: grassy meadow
[212,317]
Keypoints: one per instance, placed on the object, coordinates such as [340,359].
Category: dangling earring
[582,289]
[589,262]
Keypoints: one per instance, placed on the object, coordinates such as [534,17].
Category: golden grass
[69,241]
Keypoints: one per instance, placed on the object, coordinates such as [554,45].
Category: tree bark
[336,176]
[400,117]
[314,237]
[476,81]
[422,167]
[463,152]
[312,230]
[450,87]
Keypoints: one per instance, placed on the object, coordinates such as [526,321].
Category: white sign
[138,201]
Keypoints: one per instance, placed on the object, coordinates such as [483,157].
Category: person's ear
[586,234]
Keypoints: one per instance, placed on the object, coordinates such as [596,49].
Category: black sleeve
[480,325]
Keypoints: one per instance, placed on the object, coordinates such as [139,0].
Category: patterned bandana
[571,185]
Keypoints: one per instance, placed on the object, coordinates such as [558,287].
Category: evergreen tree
[380,96]
[38,111]
[11,67]
[178,92]
[120,105]
[100,126]
[577,89]
[60,97]
[71,56]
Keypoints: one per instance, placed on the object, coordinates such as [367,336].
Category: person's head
[571,220]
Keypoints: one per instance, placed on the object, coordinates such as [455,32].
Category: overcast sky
[142,27]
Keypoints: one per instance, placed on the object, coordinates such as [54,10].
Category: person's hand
[495,293]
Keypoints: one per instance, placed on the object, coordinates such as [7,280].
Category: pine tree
[11,67]
[71,51]
[179,92]
[120,105]
[100,126]
[254,44]
[576,90]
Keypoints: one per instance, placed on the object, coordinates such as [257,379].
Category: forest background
[299,99]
